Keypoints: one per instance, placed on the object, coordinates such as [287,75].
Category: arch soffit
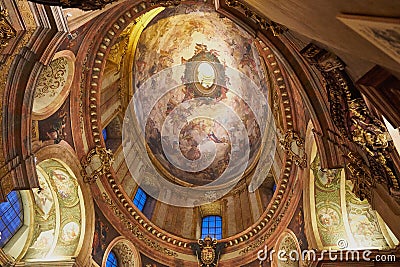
[65,155]
[125,251]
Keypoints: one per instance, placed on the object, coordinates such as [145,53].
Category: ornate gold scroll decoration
[7,32]
[97,162]
[352,117]
[125,254]
[263,22]
[293,145]
[361,176]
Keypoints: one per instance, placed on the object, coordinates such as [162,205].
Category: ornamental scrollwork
[293,145]
[351,115]
[366,130]
[125,254]
[361,176]
[7,32]
[97,162]
[52,78]
[263,22]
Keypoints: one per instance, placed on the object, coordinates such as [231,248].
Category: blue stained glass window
[140,199]
[104,132]
[111,260]
[211,226]
[11,217]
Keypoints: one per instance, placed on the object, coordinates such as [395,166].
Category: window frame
[140,198]
[114,261]
[8,221]
[211,225]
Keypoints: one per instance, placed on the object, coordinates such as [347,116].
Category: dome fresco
[197,50]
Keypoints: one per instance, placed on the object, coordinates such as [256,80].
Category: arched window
[112,260]
[140,199]
[11,217]
[211,226]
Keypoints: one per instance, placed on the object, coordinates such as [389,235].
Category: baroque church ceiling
[150,119]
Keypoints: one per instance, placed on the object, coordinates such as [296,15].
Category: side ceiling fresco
[58,213]
[339,218]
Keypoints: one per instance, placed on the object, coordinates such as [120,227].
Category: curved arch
[17,90]
[127,254]
[65,155]
[288,243]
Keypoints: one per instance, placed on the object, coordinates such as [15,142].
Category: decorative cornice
[135,230]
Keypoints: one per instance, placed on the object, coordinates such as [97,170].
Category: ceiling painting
[341,219]
[207,44]
[58,213]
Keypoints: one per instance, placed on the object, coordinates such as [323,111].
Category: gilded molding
[134,229]
[293,145]
[263,22]
[350,113]
[361,176]
[7,32]
[97,163]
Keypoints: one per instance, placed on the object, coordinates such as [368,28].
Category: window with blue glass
[11,217]
[140,199]
[211,226]
[111,260]
[274,188]
[104,132]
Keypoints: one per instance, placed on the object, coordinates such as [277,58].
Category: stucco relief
[53,85]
